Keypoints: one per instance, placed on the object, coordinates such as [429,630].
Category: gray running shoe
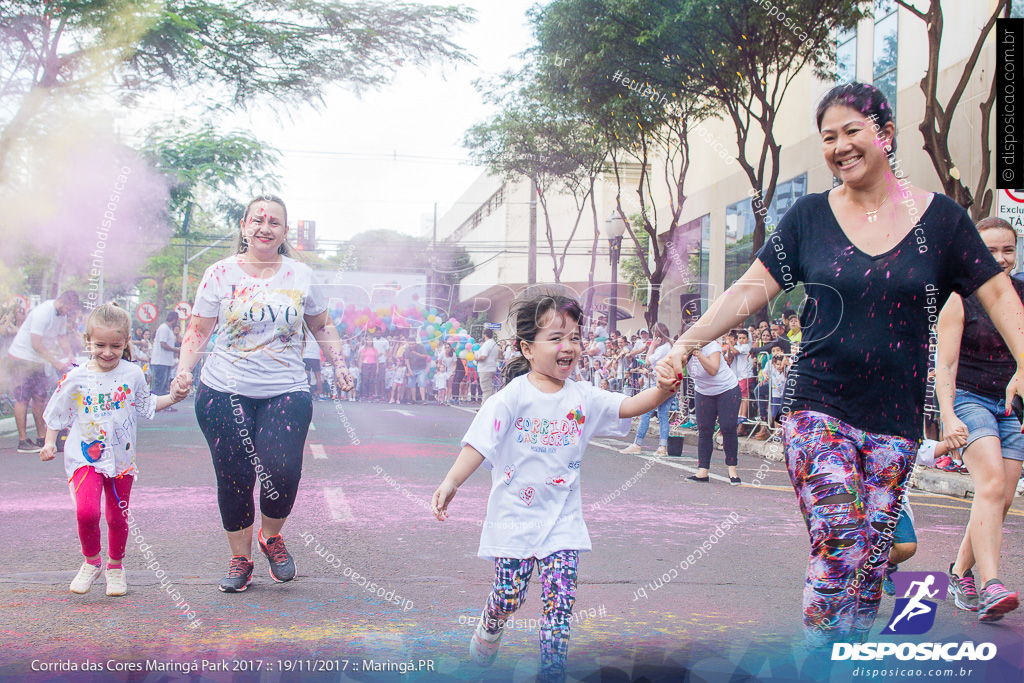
[965,594]
[996,601]
[282,566]
[239,575]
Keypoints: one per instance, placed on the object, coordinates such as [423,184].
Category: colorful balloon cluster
[430,328]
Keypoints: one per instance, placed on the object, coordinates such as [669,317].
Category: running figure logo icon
[914,614]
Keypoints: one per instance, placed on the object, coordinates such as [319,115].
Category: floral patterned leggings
[849,484]
[558,593]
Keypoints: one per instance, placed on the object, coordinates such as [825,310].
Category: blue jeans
[645,422]
[986,416]
[162,379]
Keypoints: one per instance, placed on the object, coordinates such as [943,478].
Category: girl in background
[100,403]
[534,513]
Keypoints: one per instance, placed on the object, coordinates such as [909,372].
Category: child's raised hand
[667,380]
[49,452]
[184,380]
[442,496]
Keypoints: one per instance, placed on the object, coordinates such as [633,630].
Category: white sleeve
[601,416]
[926,453]
[490,425]
[314,303]
[61,408]
[143,401]
[207,297]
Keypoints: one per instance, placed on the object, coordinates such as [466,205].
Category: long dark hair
[528,314]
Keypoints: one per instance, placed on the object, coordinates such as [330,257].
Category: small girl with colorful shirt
[101,402]
[532,435]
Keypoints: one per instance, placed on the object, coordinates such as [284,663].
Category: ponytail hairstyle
[528,315]
[113,317]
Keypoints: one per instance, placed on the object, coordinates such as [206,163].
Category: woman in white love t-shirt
[531,435]
[253,404]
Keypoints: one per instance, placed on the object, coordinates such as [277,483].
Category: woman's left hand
[1015,388]
[342,379]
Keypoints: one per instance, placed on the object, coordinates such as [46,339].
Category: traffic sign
[146,313]
[19,301]
[183,309]
[1010,207]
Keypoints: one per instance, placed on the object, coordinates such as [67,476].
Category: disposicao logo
[914,614]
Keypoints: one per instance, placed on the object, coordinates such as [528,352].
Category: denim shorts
[987,417]
[904,531]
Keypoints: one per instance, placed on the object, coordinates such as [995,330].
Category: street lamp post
[614,228]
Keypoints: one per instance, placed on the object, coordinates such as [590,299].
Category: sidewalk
[926,479]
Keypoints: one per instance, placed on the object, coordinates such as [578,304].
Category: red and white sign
[183,309]
[1010,207]
[146,313]
[19,301]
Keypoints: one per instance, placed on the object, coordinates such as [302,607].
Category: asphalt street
[362,520]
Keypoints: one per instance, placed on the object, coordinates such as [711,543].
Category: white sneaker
[116,584]
[483,648]
[631,449]
[86,575]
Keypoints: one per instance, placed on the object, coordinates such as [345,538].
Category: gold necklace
[873,215]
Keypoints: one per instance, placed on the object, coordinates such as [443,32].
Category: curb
[925,479]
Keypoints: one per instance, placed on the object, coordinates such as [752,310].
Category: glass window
[739,225]
[688,258]
[884,61]
[846,57]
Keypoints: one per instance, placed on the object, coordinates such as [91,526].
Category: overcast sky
[338,165]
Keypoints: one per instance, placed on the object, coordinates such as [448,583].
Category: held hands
[343,380]
[955,431]
[178,393]
[184,382]
[442,496]
[668,380]
[49,452]
[1015,388]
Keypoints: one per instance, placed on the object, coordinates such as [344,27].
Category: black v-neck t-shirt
[867,320]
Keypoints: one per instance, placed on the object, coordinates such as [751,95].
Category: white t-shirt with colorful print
[533,443]
[102,410]
[258,352]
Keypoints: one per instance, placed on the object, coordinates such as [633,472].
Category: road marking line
[340,510]
[318,451]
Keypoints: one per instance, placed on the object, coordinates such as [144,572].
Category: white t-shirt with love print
[533,443]
[258,352]
[102,410]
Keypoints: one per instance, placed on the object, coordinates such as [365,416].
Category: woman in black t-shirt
[878,258]
[974,357]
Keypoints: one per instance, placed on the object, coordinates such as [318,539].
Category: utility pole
[531,264]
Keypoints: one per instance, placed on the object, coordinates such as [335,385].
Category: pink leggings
[87,485]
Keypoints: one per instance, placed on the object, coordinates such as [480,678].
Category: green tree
[227,53]
[595,57]
[938,117]
[741,57]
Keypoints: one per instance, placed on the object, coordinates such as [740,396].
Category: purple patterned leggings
[558,593]
[849,484]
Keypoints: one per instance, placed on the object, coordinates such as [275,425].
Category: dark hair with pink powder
[865,98]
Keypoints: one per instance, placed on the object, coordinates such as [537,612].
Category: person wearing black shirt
[878,258]
[973,358]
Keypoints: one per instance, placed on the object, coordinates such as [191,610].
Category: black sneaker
[734,481]
[695,478]
[28,446]
[40,443]
[282,566]
[239,575]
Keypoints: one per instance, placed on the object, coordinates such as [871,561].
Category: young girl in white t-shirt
[531,435]
[101,402]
